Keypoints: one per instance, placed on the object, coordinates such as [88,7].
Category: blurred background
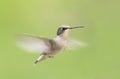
[99,60]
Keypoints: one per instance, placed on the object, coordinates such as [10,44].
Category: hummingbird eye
[64,28]
[61,30]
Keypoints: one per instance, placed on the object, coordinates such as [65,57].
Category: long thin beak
[76,27]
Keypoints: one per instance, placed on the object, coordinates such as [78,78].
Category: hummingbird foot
[50,56]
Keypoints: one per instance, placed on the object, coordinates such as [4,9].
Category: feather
[73,44]
[33,43]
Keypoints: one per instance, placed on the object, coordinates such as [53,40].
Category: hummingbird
[48,47]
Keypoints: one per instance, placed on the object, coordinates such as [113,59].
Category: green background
[99,60]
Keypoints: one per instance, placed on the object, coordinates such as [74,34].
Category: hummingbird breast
[56,45]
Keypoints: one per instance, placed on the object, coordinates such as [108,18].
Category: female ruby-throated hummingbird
[47,47]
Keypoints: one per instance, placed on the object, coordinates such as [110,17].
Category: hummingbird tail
[40,58]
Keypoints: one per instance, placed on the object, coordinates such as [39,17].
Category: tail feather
[40,58]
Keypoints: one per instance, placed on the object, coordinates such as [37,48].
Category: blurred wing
[33,43]
[72,44]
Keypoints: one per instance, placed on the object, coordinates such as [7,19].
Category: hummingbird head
[64,29]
